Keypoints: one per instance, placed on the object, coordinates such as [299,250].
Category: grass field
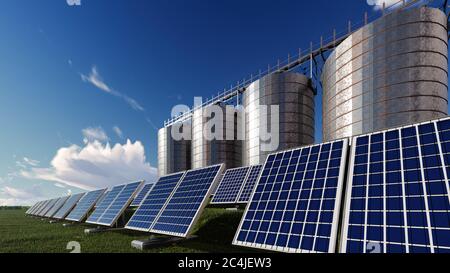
[20,233]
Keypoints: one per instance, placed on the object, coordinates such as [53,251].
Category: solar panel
[32,208]
[100,200]
[398,191]
[104,204]
[85,205]
[59,203]
[43,205]
[152,204]
[188,200]
[141,195]
[249,184]
[295,206]
[120,203]
[48,207]
[230,186]
[68,206]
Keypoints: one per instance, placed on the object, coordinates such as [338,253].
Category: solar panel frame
[405,146]
[230,186]
[249,185]
[149,208]
[48,207]
[200,208]
[84,206]
[59,203]
[70,203]
[334,222]
[142,194]
[112,214]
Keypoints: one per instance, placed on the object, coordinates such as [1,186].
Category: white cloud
[96,80]
[389,4]
[96,165]
[12,196]
[92,134]
[118,131]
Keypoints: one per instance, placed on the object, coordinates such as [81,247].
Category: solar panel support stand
[157,241]
[89,231]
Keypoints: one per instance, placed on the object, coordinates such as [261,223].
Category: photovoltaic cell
[68,206]
[59,203]
[190,197]
[230,186]
[85,205]
[249,184]
[104,204]
[120,203]
[33,208]
[141,195]
[295,206]
[398,192]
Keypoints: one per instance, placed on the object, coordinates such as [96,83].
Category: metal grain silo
[207,150]
[174,155]
[389,73]
[294,95]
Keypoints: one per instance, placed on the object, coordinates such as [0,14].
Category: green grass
[22,234]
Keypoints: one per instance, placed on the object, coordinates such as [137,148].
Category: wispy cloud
[118,131]
[96,80]
[14,196]
[92,134]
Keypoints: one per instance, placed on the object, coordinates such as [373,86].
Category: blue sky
[74,78]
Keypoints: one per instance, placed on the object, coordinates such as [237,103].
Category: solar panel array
[249,184]
[104,204]
[68,206]
[119,204]
[230,186]
[141,195]
[398,191]
[295,206]
[58,204]
[42,207]
[144,217]
[85,205]
[188,200]
[47,207]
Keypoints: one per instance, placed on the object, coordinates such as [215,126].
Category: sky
[84,88]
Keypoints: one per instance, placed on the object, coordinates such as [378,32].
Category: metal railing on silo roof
[300,58]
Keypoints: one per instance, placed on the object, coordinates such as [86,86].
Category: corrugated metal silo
[294,95]
[389,73]
[174,155]
[206,150]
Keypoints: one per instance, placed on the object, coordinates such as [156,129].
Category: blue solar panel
[104,204]
[120,203]
[295,206]
[48,207]
[85,205]
[144,217]
[68,206]
[190,197]
[141,195]
[398,193]
[34,208]
[230,186]
[59,203]
[249,184]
